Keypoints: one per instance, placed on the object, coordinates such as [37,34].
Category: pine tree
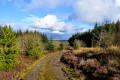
[50,45]
[9,50]
[61,46]
[35,49]
[27,31]
[44,38]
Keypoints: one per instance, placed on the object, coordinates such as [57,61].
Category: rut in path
[49,68]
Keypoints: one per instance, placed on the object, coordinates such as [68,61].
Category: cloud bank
[92,11]
[50,22]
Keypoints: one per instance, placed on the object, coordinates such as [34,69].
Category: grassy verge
[28,69]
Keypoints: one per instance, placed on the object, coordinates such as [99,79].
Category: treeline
[102,35]
[43,35]
[21,33]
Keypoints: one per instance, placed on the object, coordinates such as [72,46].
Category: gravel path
[50,68]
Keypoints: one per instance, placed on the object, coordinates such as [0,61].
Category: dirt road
[50,68]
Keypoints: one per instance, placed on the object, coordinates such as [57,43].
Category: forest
[103,35]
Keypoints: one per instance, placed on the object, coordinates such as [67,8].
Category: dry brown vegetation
[87,50]
[94,63]
[57,44]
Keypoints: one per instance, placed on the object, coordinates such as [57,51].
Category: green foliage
[19,33]
[35,49]
[2,61]
[44,38]
[31,44]
[61,46]
[86,37]
[9,50]
[50,46]
[1,33]
[100,35]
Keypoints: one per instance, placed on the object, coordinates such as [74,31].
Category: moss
[46,72]
[71,73]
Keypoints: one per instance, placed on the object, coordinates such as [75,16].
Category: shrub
[9,50]
[105,39]
[35,49]
[61,46]
[78,44]
[26,40]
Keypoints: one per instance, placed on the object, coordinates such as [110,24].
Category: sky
[62,18]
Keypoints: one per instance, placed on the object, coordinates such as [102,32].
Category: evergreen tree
[1,33]
[50,45]
[9,50]
[19,33]
[35,49]
[61,46]
[118,26]
[44,38]
[27,31]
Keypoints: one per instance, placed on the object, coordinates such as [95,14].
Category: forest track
[50,68]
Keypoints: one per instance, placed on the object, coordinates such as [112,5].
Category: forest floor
[50,68]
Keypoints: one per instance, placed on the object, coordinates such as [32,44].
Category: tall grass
[88,50]
[113,49]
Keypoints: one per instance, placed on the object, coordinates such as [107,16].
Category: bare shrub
[105,39]
[78,44]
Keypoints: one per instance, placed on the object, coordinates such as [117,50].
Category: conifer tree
[50,45]
[9,50]
[61,46]
[35,49]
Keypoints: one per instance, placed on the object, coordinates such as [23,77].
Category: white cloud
[84,10]
[84,27]
[117,2]
[96,10]
[52,23]
[47,24]
[57,32]
[83,30]
[15,26]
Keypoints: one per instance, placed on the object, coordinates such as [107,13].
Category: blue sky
[61,17]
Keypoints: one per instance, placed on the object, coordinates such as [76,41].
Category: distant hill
[63,40]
